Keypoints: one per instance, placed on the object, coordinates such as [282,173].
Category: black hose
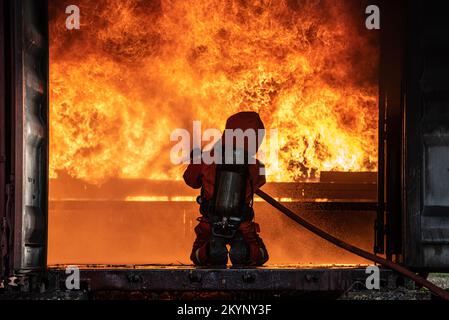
[357,251]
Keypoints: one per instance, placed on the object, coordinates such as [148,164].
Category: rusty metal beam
[192,279]
[120,189]
[155,206]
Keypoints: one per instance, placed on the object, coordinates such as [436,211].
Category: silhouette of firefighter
[226,200]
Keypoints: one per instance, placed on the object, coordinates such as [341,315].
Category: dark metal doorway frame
[388,235]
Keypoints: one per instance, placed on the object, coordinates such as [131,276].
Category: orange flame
[137,70]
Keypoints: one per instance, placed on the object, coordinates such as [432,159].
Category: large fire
[136,70]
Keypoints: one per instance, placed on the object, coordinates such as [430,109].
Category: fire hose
[357,251]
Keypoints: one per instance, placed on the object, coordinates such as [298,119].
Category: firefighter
[226,200]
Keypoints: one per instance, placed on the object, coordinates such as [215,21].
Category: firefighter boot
[239,253]
[218,253]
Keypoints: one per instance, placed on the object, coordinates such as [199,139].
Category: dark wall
[23,123]
[426,153]
[2,133]
[5,132]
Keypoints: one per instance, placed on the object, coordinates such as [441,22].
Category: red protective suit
[203,176]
